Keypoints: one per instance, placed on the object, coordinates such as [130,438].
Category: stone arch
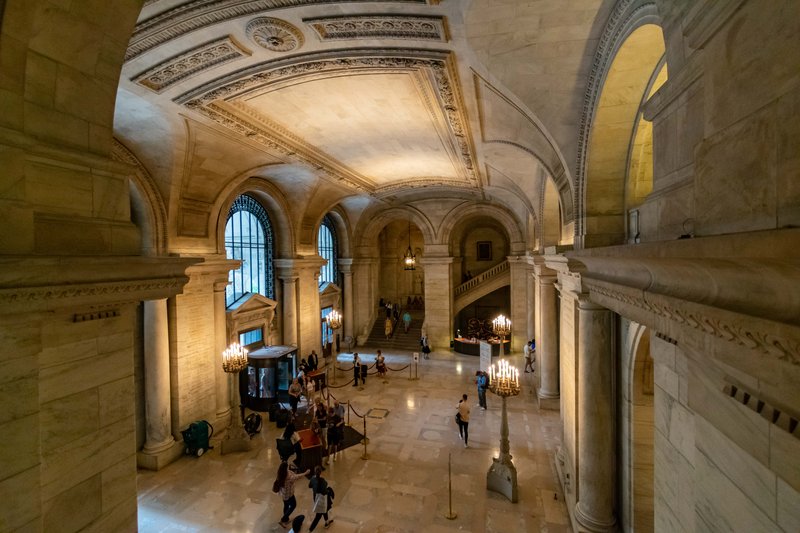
[146,201]
[641,430]
[273,201]
[343,230]
[374,225]
[632,41]
[461,214]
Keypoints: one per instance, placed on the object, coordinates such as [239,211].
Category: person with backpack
[284,485]
[319,489]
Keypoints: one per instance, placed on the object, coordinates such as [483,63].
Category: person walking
[406,321]
[356,369]
[462,417]
[284,482]
[425,348]
[319,489]
[297,524]
[482,381]
[527,351]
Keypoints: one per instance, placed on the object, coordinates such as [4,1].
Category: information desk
[312,450]
[467,347]
[318,377]
[268,374]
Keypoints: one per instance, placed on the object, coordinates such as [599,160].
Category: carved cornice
[433,69]
[203,57]
[627,15]
[274,34]
[379,27]
[198,14]
[782,348]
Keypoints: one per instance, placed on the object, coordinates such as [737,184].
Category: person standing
[335,433]
[313,361]
[284,482]
[356,369]
[425,348]
[295,390]
[380,364]
[482,381]
[319,489]
[462,416]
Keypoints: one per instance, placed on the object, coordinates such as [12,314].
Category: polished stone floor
[402,486]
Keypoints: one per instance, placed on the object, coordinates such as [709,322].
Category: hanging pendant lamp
[409,259]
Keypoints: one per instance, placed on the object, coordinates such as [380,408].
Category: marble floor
[402,486]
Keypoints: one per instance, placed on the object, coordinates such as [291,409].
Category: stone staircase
[399,340]
[481,285]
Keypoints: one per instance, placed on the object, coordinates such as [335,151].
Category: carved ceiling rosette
[274,34]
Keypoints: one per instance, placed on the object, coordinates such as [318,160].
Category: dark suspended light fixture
[409,259]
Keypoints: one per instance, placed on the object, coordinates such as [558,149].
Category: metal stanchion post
[365,456]
[348,412]
[413,375]
[450,515]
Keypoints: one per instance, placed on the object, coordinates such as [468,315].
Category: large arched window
[248,237]
[327,249]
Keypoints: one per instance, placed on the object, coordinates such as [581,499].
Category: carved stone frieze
[379,27]
[781,348]
[217,101]
[197,14]
[274,34]
[190,63]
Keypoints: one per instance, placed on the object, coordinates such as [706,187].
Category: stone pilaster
[301,308]
[289,308]
[160,447]
[223,389]
[345,266]
[596,473]
[438,301]
[530,323]
[547,354]
[519,302]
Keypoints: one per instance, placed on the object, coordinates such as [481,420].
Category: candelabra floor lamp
[502,475]
[234,360]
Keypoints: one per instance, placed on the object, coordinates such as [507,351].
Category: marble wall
[705,480]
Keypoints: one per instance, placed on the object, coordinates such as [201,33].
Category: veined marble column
[596,475]
[290,310]
[222,383]
[547,363]
[158,412]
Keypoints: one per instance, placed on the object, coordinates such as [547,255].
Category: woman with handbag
[319,489]
[284,485]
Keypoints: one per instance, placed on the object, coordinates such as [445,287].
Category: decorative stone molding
[627,15]
[147,185]
[379,27]
[274,34]
[198,14]
[774,415]
[96,315]
[196,60]
[706,18]
[782,348]
[432,70]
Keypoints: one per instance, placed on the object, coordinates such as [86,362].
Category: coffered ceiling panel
[381,126]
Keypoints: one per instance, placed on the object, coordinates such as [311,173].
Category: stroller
[196,437]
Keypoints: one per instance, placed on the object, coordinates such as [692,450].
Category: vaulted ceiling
[391,101]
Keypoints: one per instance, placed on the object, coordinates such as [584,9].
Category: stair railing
[496,270]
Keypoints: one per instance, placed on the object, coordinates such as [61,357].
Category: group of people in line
[360,368]
[328,425]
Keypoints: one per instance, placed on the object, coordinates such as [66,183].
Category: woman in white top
[462,416]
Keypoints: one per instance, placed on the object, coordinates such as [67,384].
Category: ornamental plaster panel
[274,34]
[379,27]
[434,72]
[198,14]
[196,60]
